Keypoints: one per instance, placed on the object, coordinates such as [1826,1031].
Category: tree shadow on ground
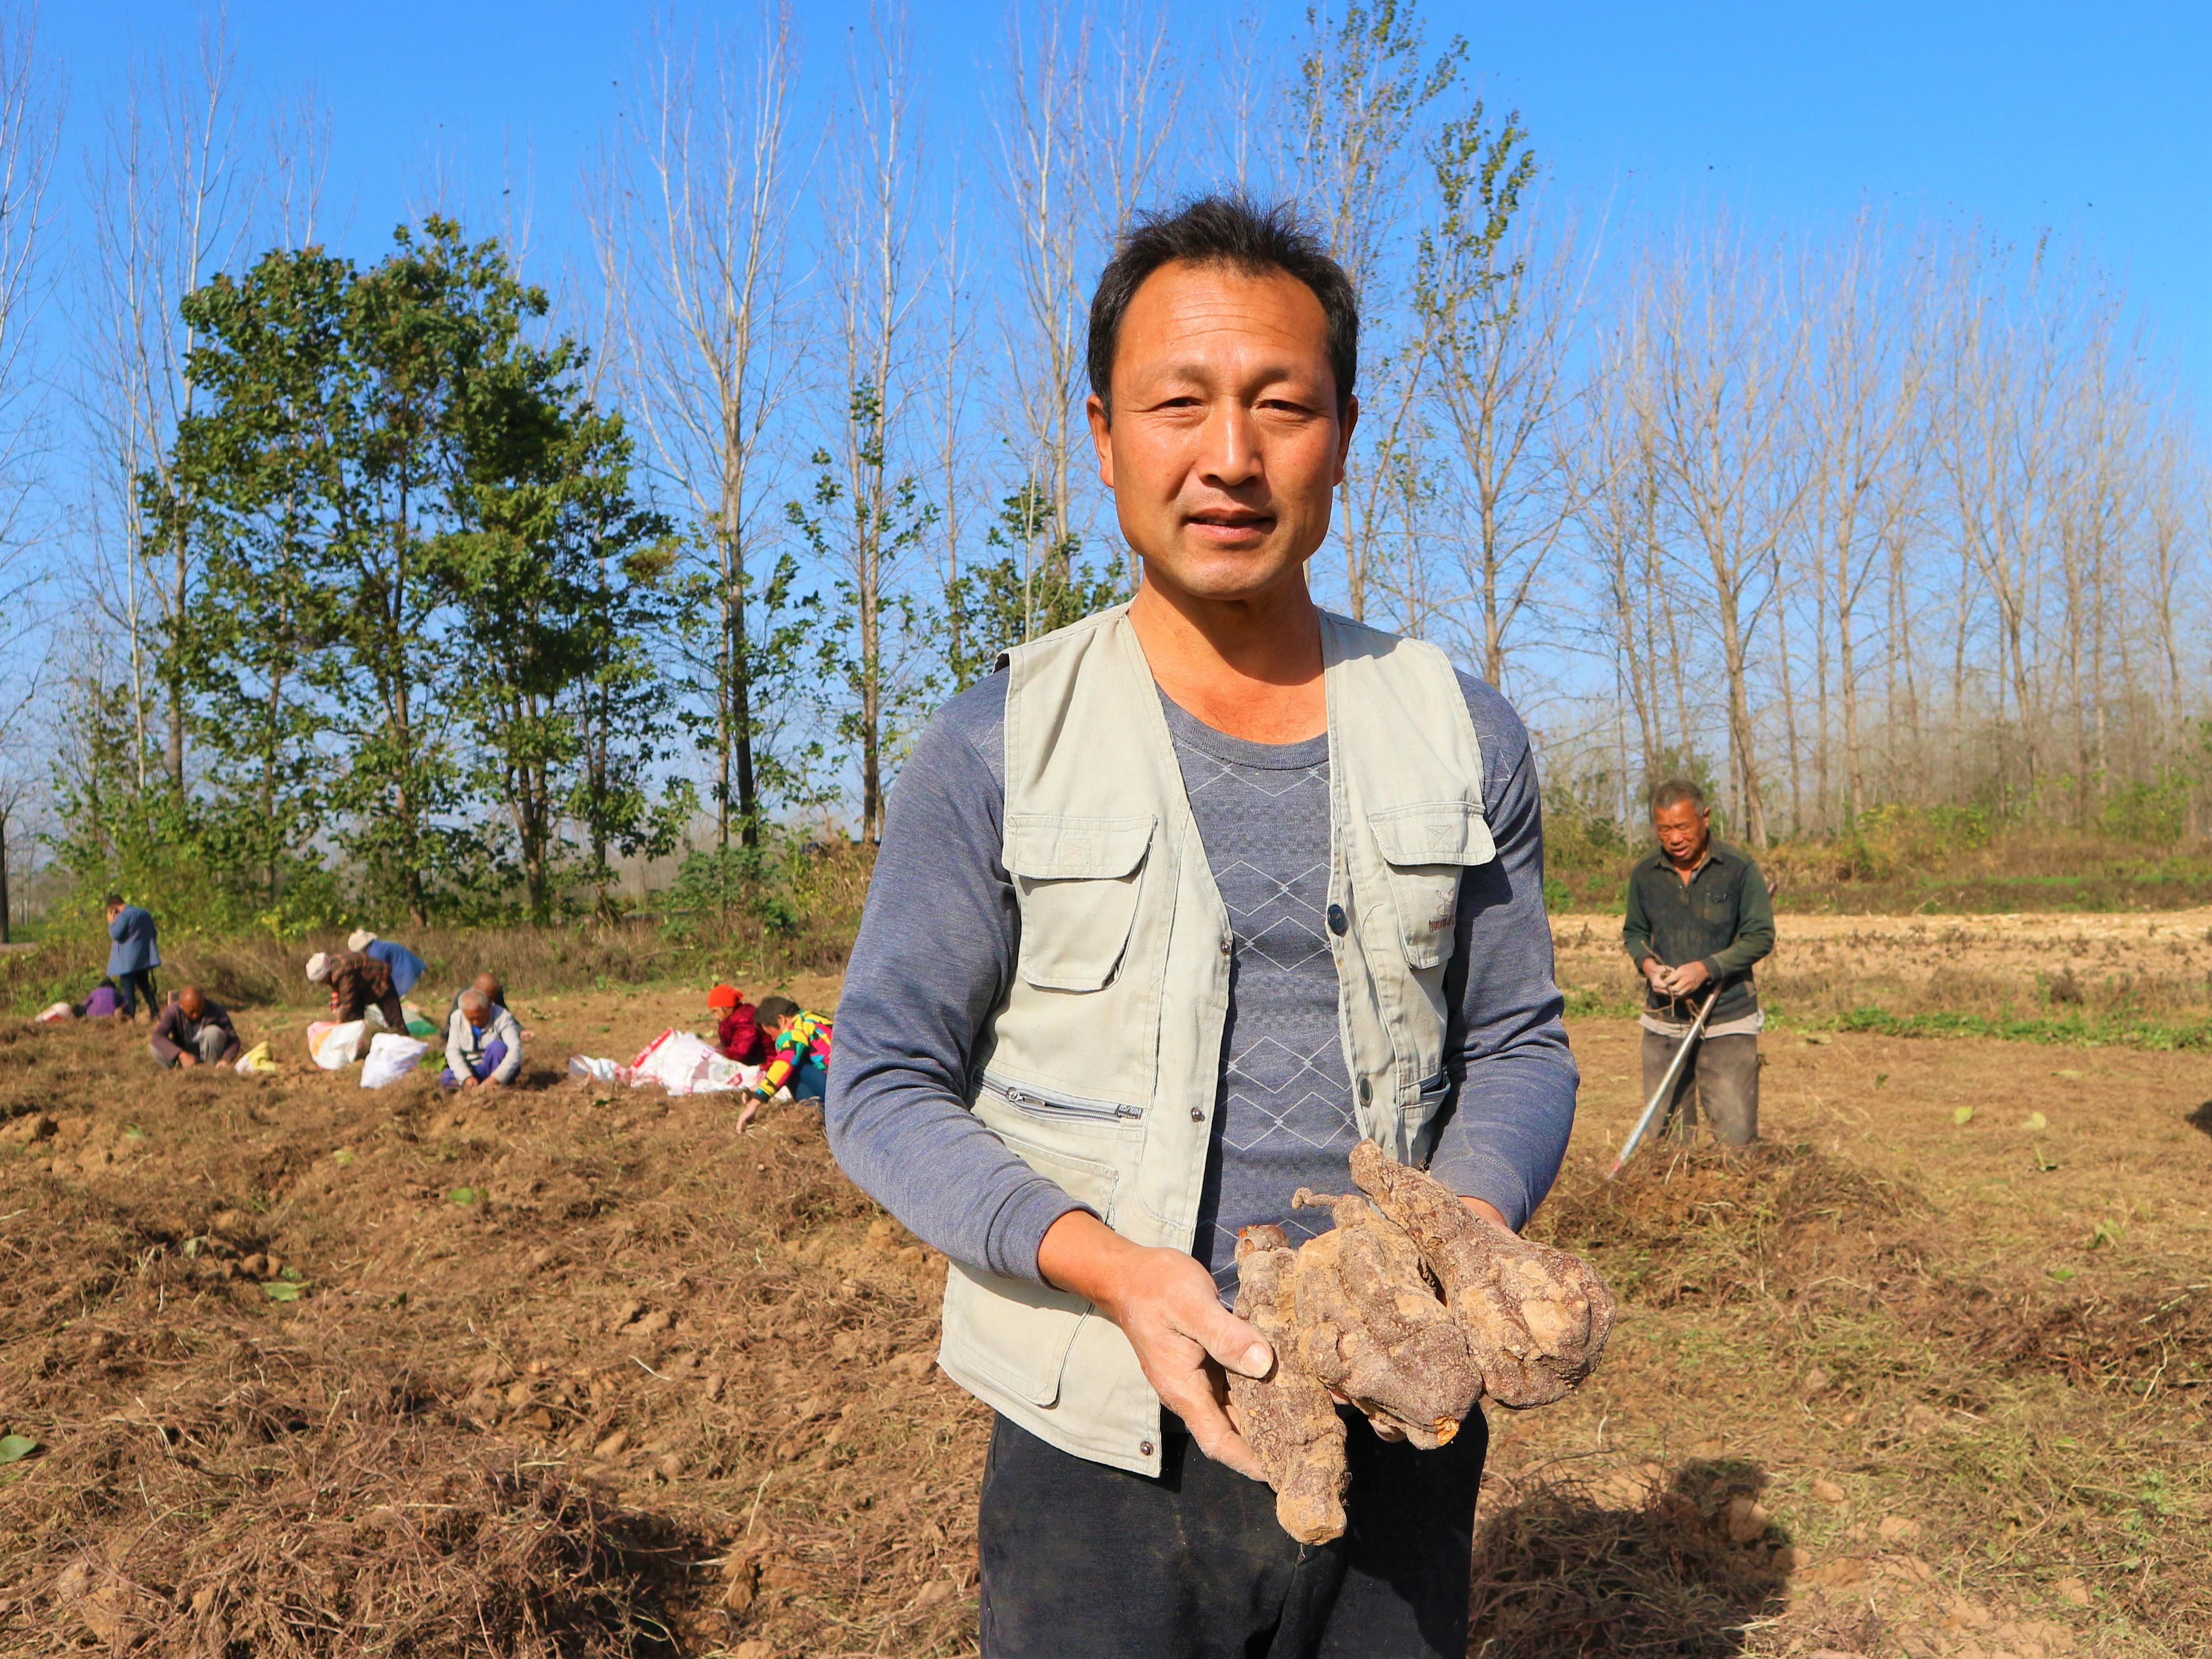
[2201,1118]
[1660,1565]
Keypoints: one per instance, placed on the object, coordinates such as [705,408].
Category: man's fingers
[1215,1436]
[1231,1342]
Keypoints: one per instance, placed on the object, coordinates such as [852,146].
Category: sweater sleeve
[456,1044]
[1636,923]
[163,1037]
[1513,1078]
[1754,926]
[934,956]
[507,1029]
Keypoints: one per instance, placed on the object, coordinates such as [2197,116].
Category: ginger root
[1536,1318]
[1412,1308]
[1286,1417]
[1371,1328]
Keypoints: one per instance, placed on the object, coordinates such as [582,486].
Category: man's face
[1684,827]
[1224,444]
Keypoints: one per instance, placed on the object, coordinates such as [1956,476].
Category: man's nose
[1229,454]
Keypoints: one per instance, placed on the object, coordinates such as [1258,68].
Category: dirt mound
[1709,1224]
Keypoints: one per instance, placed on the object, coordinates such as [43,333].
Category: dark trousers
[395,1017]
[1722,1076]
[1081,1561]
[134,986]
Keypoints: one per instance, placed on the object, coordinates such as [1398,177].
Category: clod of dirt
[1746,1519]
[35,1125]
[1287,1418]
[1828,1492]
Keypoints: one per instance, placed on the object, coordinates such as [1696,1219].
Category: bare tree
[30,127]
[868,516]
[1365,88]
[692,233]
[1726,355]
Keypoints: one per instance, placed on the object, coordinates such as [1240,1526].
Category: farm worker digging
[1698,916]
[482,1043]
[134,951]
[406,967]
[193,1031]
[357,984]
[1169,912]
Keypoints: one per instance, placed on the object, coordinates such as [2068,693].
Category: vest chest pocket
[1077,880]
[1428,848]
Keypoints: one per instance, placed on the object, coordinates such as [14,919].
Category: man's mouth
[1231,520]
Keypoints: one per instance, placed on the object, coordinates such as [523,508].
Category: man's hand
[493,1083]
[469,1080]
[1657,973]
[188,1059]
[1685,979]
[1166,1304]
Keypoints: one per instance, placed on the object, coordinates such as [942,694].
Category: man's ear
[1344,437]
[1102,437]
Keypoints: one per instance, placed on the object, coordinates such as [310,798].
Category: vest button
[1225,944]
[1197,1116]
[1144,1449]
[1337,922]
[1366,1091]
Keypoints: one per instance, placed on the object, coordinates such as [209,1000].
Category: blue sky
[2095,121]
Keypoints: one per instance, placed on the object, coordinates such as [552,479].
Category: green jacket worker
[1698,917]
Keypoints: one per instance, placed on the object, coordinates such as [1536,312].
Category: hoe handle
[1666,1087]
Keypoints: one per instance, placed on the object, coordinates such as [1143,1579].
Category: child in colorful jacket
[801,1058]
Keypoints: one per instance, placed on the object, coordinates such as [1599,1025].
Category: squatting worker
[1698,916]
[193,1031]
[1167,914]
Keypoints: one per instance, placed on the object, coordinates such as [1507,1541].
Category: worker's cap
[318,967]
[724,996]
[360,940]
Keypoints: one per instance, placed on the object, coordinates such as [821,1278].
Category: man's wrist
[1081,1254]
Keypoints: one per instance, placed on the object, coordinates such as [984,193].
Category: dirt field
[2144,977]
[314,1369]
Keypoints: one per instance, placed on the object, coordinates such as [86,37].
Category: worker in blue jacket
[133,955]
[406,967]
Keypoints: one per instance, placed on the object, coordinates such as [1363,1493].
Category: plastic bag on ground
[584,1068]
[684,1064]
[255,1060]
[55,1011]
[334,1045]
[390,1057]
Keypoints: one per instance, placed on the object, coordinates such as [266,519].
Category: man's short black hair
[1225,230]
[1674,791]
[772,1009]
[113,899]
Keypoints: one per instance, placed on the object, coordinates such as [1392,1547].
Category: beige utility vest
[1100,1068]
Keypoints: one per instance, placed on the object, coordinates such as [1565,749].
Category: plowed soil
[308,1368]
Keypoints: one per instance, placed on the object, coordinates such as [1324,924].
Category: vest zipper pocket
[1039,1103]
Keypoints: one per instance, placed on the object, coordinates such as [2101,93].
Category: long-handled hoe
[1666,1088]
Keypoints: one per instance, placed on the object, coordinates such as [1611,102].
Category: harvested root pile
[1413,1308]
